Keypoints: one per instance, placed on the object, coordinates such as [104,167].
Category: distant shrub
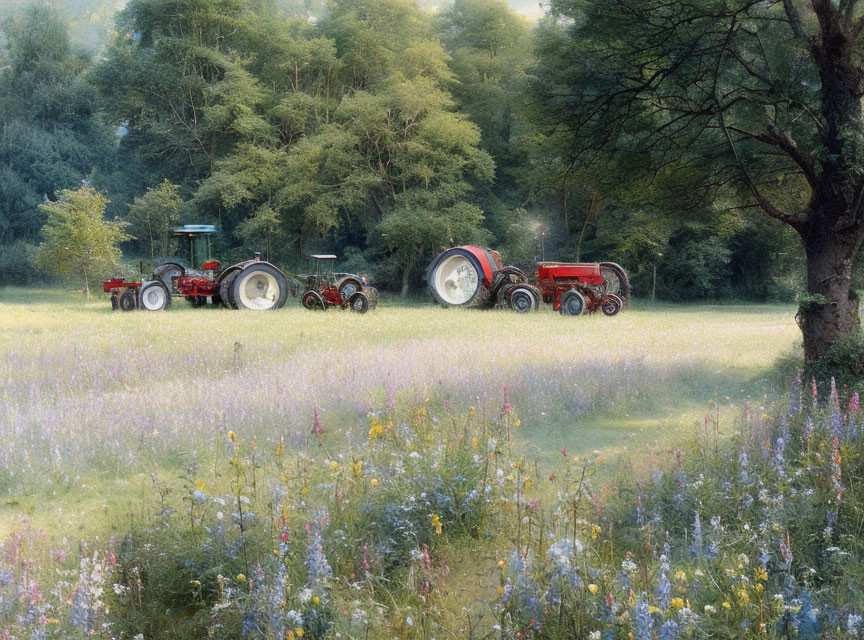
[17,264]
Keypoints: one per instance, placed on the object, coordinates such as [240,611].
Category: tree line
[370,128]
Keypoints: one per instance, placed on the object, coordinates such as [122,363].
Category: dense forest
[380,130]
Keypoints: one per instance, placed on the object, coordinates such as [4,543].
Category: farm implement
[252,284]
[469,276]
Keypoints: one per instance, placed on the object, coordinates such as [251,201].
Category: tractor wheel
[611,305]
[359,302]
[128,301]
[616,281]
[166,273]
[154,296]
[259,287]
[348,287]
[455,278]
[312,301]
[572,303]
[225,288]
[522,300]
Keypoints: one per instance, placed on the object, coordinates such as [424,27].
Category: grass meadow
[418,473]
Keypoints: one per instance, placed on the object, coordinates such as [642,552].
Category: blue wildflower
[643,625]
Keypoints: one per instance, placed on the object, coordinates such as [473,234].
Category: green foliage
[52,136]
[76,241]
[17,264]
[151,217]
[842,362]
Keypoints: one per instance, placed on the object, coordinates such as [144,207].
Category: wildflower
[726,605]
[299,632]
[374,482]
[241,577]
[696,547]
[677,603]
[669,630]
[593,588]
[664,587]
[318,430]
[760,574]
[506,409]
[436,523]
[643,624]
[709,608]
[317,568]
[852,623]
[232,436]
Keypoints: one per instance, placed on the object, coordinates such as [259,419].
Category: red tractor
[193,275]
[472,276]
[325,288]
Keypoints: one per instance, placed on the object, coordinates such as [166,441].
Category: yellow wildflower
[299,632]
[653,609]
[374,482]
[759,588]
[500,590]
[241,577]
[681,576]
[436,523]
[334,465]
[316,600]
[232,436]
[200,485]
[595,531]
[677,603]
[592,588]
[474,443]
[726,605]
[304,491]
[527,484]
[761,574]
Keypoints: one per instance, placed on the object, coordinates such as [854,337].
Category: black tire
[215,298]
[197,301]
[359,303]
[128,301]
[614,273]
[259,287]
[166,271]
[437,263]
[348,287]
[521,300]
[225,288]
[312,301]
[572,303]
[611,305]
[155,296]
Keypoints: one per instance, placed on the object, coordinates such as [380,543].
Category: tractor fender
[318,297]
[240,266]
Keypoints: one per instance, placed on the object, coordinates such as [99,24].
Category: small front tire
[572,303]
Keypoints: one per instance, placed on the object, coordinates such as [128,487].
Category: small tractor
[325,288]
[470,276]
[253,284]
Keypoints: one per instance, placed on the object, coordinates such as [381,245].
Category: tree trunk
[829,312]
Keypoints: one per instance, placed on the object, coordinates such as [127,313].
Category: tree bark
[830,310]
